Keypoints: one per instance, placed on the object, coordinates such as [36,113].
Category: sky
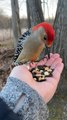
[49,11]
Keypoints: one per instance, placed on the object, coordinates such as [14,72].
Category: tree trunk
[60,43]
[28,15]
[35,14]
[60,25]
[15,21]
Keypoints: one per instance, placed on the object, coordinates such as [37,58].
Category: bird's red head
[49,31]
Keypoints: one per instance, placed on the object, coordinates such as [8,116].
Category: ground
[57,106]
[6,58]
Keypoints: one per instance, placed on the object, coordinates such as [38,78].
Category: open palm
[47,88]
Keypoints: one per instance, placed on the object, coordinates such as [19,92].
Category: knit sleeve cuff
[22,99]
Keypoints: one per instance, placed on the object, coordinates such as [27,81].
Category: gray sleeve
[23,100]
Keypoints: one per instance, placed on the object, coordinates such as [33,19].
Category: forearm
[23,100]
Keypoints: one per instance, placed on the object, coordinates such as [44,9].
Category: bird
[33,41]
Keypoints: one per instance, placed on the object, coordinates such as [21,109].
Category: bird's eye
[45,37]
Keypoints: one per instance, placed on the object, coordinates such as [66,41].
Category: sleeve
[23,100]
[6,113]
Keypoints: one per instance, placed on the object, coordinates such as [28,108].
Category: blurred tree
[34,10]
[15,21]
[28,15]
[60,43]
[1,12]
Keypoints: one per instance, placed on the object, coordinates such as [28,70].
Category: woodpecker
[32,42]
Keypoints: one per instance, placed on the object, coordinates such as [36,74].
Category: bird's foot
[32,65]
[42,58]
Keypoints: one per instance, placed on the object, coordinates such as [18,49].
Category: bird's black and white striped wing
[20,44]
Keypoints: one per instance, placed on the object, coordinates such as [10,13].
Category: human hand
[47,88]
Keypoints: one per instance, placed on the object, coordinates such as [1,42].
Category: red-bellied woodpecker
[32,42]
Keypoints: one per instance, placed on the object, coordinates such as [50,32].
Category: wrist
[17,72]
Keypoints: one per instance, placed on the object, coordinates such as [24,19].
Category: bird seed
[41,72]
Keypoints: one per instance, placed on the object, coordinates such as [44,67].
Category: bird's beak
[48,46]
[48,51]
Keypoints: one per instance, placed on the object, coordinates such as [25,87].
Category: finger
[52,59]
[56,55]
[47,55]
[43,62]
[58,70]
[56,61]
[32,65]
[56,74]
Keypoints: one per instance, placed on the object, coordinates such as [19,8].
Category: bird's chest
[37,53]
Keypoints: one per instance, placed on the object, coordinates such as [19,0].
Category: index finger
[58,70]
